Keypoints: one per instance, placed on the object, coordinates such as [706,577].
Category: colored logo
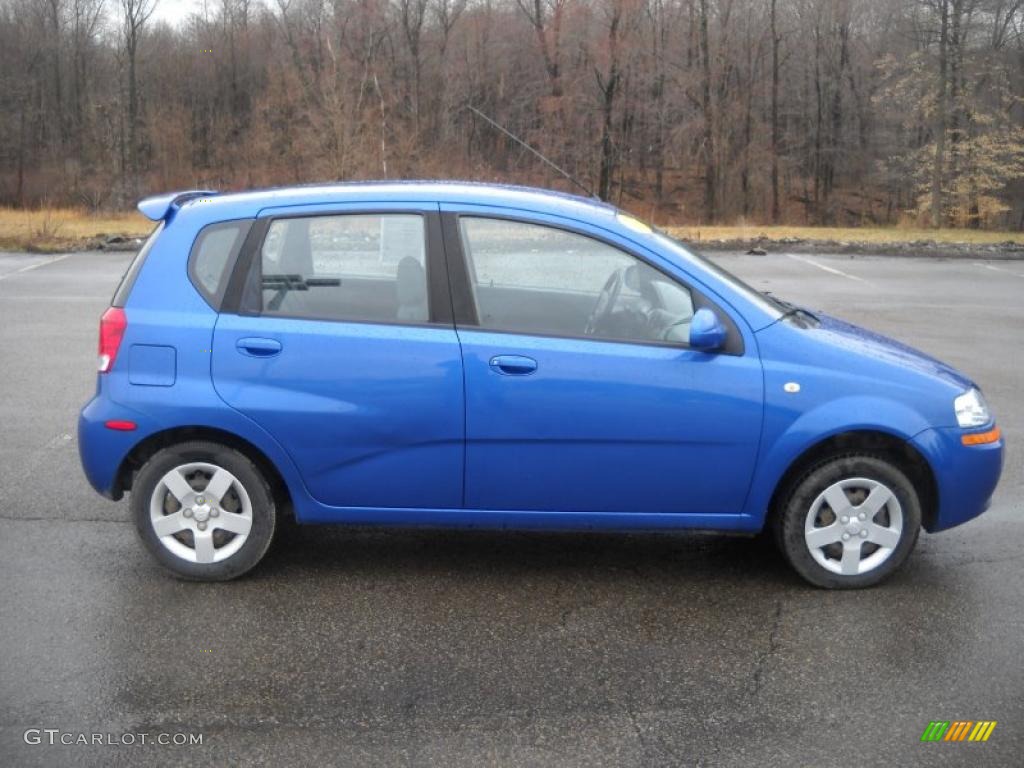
[958,730]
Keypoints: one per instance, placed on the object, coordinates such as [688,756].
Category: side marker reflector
[981,438]
[120,426]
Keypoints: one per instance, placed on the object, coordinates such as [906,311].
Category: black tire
[796,503]
[264,515]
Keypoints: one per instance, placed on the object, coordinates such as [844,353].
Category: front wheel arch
[881,444]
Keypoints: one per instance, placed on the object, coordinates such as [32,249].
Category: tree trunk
[710,169]
[748,132]
[609,87]
[658,54]
[835,134]
[818,122]
[19,194]
[133,111]
[940,118]
[58,80]
[775,114]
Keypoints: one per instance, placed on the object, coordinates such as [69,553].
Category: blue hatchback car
[466,355]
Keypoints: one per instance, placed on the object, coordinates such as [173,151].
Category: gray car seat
[411,290]
[296,262]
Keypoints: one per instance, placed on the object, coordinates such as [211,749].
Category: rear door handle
[513,365]
[254,347]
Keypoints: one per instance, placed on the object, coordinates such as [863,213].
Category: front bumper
[965,476]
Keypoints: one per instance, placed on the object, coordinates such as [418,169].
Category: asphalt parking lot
[471,648]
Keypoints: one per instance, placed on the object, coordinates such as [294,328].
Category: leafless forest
[798,111]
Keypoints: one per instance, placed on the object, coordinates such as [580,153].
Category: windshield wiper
[779,303]
[297,282]
[283,283]
[789,308]
[800,312]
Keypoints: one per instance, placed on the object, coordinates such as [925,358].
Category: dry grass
[847,235]
[62,229]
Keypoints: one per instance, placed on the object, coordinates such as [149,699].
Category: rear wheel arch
[149,446]
[883,445]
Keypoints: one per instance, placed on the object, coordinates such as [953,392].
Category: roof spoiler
[158,207]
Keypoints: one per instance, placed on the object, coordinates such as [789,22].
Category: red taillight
[120,425]
[112,327]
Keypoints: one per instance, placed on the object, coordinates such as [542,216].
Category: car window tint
[124,288]
[212,255]
[530,278]
[346,267]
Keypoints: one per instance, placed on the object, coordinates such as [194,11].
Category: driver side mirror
[706,331]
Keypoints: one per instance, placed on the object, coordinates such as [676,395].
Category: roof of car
[249,203]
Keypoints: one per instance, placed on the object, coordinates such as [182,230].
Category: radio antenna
[494,124]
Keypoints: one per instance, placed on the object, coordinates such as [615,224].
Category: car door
[575,405]
[337,338]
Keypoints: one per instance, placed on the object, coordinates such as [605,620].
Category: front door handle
[513,365]
[254,347]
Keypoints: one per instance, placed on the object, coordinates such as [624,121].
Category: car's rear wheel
[204,510]
[849,522]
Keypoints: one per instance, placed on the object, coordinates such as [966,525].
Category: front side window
[368,268]
[529,278]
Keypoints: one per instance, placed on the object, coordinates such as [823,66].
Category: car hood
[852,338]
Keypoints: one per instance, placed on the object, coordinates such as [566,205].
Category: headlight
[971,409]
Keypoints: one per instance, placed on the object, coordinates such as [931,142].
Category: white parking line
[54,260]
[997,269]
[834,271]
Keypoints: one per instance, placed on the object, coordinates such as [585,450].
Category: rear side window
[351,267]
[124,288]
[213,256]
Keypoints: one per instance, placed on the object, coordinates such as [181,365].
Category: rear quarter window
[213,257]
[124,288]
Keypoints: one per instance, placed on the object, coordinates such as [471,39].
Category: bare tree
[708,110]
[833,111]
[775,128]
[134,15]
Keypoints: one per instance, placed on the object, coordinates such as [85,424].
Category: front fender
[789,433]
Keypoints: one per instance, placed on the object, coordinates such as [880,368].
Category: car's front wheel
[204,510]
[849,522]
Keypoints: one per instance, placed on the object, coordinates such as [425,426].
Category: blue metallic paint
[600,435]
[159,207]
[968,475]
[609,427]
[371,414]
[850,380]
[706,330]
[152,365]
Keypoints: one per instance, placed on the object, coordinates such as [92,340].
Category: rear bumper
[102,451]
[966,476]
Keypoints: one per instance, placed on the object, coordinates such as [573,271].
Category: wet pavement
[362,647]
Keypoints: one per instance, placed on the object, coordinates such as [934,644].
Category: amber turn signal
[981,438]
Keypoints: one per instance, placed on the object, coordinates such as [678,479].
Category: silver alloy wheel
[853,526]
[201,512]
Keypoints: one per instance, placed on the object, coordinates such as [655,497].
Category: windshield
[766,301]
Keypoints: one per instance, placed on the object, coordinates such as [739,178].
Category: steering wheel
[668,332]
[605,302]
